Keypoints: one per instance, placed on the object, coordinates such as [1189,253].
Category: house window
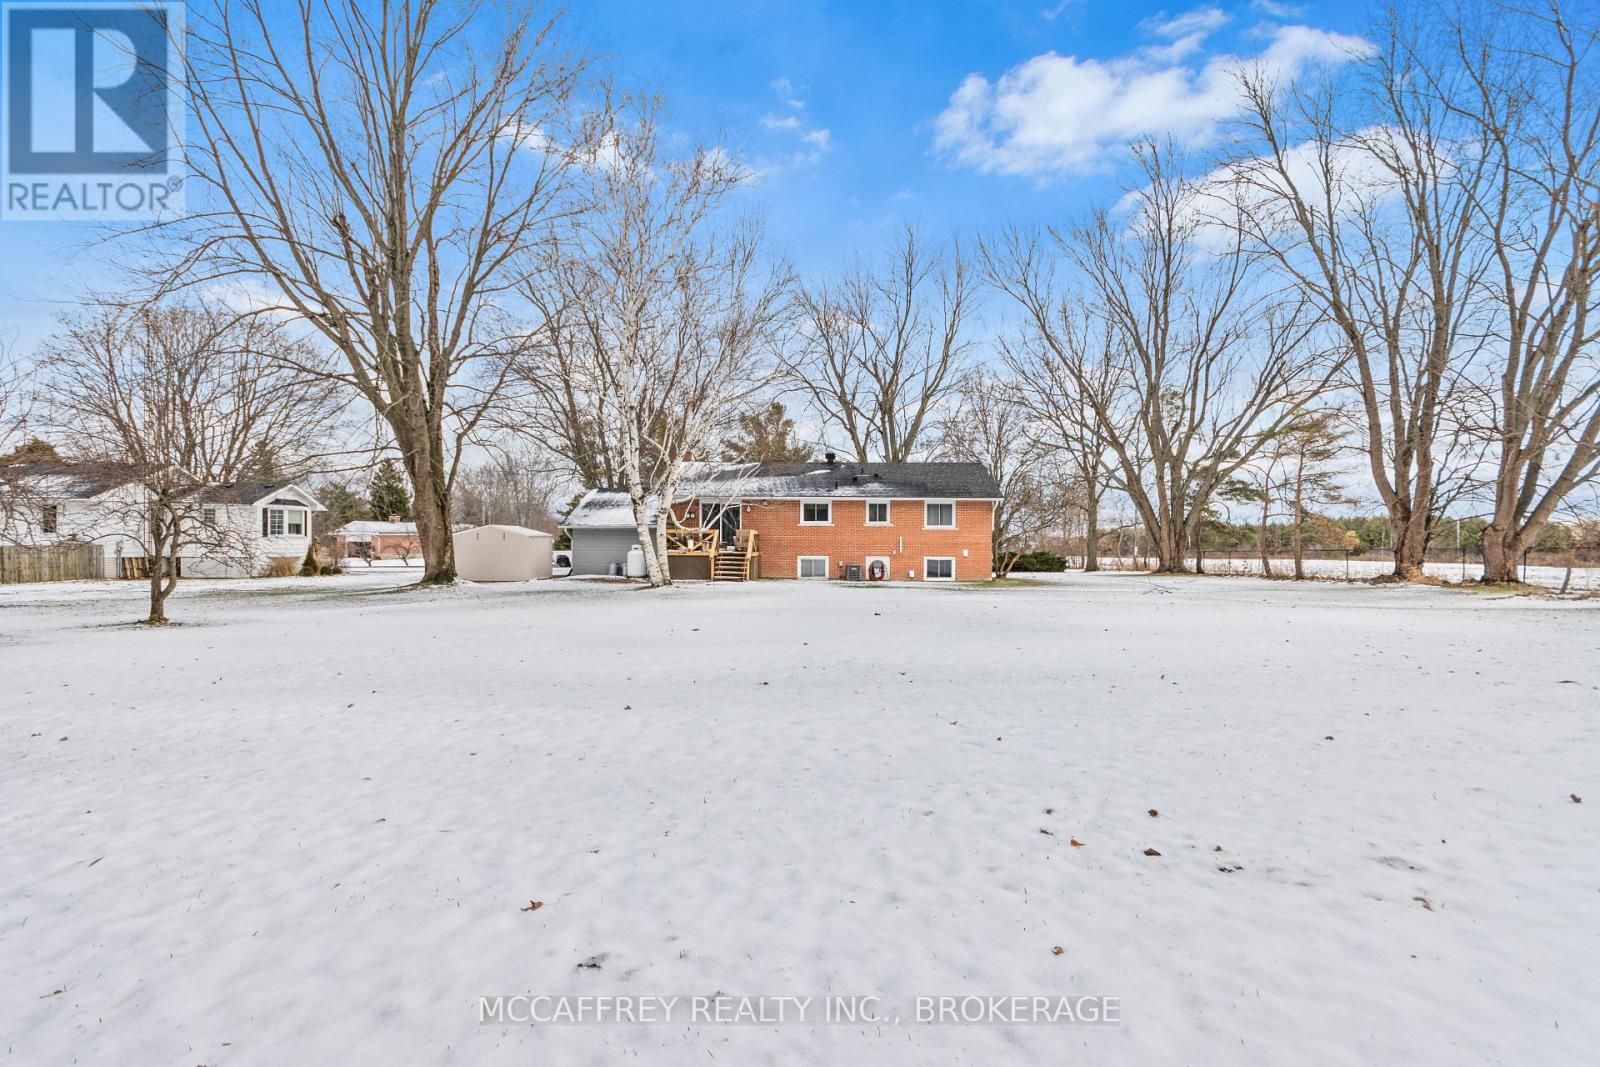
[939,569]
[812,567]
[940,515]
[816,513]
[877,513]
[48,518]
[296,523]
[208,516]
[274,522]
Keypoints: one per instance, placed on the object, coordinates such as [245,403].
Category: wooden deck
[699,553]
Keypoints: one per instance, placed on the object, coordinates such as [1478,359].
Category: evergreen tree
[390,497]
[765,436]
[35,450]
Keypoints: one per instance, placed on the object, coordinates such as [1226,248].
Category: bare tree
[1193,370]
[379,171]
[510,487]
[15,408]
[174,401]
[990,425]
[1525,79]
[1358,193]
[1063,420]
[675,317]
[882,348]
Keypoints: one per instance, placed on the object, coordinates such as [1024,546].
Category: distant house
[820,520]
[247,525]
[371,539]
[377,540]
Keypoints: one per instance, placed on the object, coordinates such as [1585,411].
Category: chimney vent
[830,457]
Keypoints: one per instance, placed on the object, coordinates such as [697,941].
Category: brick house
[821,520]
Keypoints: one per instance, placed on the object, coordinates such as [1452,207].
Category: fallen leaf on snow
[1576,799]
[593,962]
[534,905]
[1056,950]
[96,860]
[1151,852]
[1075,842]
[1153,813]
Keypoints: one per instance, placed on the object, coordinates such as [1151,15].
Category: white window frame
[810,502]
[277,522]
[927,526]
[927,577]
[888,513]
[299,515]
[208,514]
[799,568]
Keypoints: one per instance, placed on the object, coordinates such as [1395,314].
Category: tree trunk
[1091,534]
[1299,519]
[1261,535]
[1502,549]
[162,539]
[1410,546]
[430,505]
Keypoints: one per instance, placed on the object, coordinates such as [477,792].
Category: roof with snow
[779,481]
[611,508]
[84,481]
[604,509]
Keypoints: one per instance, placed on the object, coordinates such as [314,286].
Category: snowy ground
[1584,579]
[302,828]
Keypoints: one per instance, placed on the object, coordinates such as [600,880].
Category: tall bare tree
[1358,189]
[15,490]
[174,401]
[1195,367]
[675,314]
[990,425]
[1062,418]
[380,170]
[1525,79]
[882,348]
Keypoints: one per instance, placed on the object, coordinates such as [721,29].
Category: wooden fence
[54,563]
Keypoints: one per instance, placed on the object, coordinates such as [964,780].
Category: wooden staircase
[733,563]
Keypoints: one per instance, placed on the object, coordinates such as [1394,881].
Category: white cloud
[1201,20]
[1050,14]
[1277,9]
[813,140]
[1053,114]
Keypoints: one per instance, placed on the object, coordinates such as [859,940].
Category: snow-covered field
[304,827]
[1584,579]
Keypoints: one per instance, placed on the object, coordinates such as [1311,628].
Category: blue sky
[856,117]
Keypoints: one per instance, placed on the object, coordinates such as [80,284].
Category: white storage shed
[503,554]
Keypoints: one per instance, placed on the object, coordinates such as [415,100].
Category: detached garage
[602,530]
[503,554]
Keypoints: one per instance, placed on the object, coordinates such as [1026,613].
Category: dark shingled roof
[609,508]
[953,480]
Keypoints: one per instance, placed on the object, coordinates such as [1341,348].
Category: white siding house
[248,525]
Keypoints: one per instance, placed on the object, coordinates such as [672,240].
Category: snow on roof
[952,480]
[521,531]
[367,529]
[603,509]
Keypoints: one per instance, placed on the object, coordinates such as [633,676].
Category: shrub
[283,567]
[1040,561]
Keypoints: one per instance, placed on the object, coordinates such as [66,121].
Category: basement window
[812,567]
[939,569]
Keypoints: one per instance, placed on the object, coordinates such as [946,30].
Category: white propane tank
[636,562]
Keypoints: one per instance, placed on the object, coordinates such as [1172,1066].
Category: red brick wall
[782,540]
